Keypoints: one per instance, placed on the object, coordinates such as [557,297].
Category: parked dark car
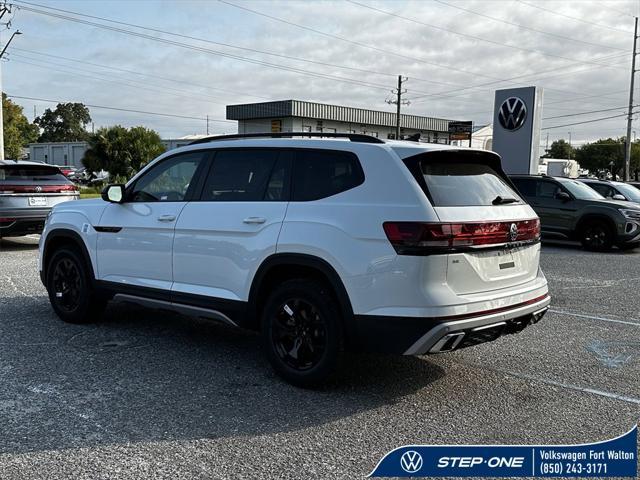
[28,190]
[613,190]
[569,209]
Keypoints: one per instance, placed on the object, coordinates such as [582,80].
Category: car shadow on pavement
[141,375]
[18,243]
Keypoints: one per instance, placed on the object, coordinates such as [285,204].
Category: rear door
[223,237]
[556,214]
[470,192]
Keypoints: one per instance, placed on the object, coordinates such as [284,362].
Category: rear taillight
[417,238]
[35,189]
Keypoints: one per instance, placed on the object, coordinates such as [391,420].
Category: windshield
[632,193]
[455,184]
[31,173]
[579,190]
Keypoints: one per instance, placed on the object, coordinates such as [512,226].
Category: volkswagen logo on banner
[512,114]
[411,461]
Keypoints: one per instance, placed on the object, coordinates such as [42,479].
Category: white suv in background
[321,244]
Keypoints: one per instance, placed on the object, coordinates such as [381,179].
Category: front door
[135,238]
[556,214]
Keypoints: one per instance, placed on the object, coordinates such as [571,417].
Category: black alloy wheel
[597,236]
[69,286]
[299,334]
[302,332]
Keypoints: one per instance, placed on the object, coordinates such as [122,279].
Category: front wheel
[69,288]
[596,235]
[302,332]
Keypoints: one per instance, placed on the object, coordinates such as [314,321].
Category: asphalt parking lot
[142,394]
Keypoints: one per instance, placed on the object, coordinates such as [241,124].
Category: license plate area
[37,201]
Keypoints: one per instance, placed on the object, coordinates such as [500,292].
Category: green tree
[18,132]
[121,151]
[598,155]
[560,149]
[67,123]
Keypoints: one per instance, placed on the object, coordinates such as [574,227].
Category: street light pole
[17,32]
[627,146]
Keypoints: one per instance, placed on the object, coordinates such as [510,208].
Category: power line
[121,109]
[210,51]
[586,121]
[353,42]
[589,22]
[525,27]
[474,37]
[586,113]
[228,45]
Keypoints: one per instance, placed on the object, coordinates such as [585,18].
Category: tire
[69,288]
[597,236]
[302,332]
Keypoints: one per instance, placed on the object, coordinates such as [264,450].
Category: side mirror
[113,193]
[563,196]
[617,196]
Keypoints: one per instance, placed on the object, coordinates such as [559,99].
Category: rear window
[31,173]
[457,184]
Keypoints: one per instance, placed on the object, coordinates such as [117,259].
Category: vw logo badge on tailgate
[513,232]
[38,189]
[512,114]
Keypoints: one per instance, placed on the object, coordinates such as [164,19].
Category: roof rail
[354,137]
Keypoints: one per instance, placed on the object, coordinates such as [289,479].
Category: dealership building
[301,116]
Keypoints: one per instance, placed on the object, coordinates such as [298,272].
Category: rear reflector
[35,189]
[417,238]
[4,221]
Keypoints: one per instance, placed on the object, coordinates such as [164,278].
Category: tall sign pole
[627,150]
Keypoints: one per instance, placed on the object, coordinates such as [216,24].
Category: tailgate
[492,268]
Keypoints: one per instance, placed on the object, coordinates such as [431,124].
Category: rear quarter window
[322,173]
[458,184]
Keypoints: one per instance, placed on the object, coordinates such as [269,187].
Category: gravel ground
[149,395]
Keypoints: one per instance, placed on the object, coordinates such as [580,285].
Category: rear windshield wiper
[502,200]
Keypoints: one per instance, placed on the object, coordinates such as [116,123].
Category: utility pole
[3,10]
[398,102]
[627,149]
[207,124]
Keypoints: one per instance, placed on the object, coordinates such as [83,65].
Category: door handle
[166,218]
[254,220]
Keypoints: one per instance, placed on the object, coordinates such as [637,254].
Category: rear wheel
[69,288]
[302,332]
[596,235]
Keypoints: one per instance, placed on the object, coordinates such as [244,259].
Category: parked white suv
[321,245]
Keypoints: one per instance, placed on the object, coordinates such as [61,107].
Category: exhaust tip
[447,342]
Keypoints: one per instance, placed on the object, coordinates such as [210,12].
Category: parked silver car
[28,190]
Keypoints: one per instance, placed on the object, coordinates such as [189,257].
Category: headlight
[631,214]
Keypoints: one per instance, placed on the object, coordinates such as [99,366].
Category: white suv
[320,244]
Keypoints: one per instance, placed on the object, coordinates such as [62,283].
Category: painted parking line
[568,386]
[593,317]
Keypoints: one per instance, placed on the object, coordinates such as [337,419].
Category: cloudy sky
[191,58]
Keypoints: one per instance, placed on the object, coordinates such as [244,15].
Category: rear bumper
[420,336]
[22,222]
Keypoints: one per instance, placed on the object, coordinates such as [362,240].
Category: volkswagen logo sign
[38,189]
[411,461]
[512,113]
[513,232]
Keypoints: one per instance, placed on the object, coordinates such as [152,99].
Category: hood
[616,203]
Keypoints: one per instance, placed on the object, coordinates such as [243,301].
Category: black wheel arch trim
[309,261]
[76,239]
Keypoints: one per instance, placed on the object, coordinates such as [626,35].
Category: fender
[76,239]
[303,260]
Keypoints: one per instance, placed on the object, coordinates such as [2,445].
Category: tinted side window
[525,186]
[604,190]
[548,189]
[241,176]
[320,174]
[168,181]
